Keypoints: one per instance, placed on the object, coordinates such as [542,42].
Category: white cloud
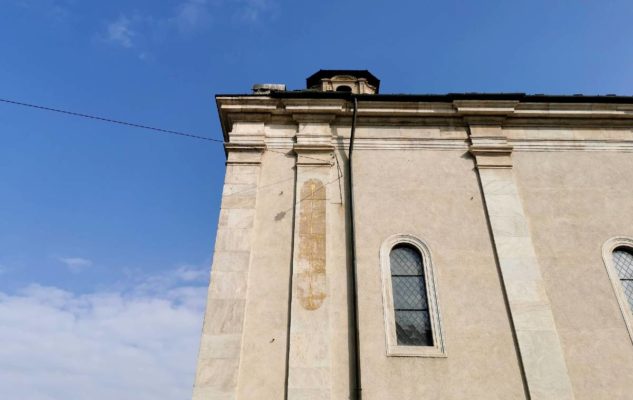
[136,344]
[189,273]
[254,10]
[119,32]
[76,264]
[191,15]
[55,10]
[139,30]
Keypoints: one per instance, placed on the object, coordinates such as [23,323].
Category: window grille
[411,307]
[623,263]
[413,326]
[617,254]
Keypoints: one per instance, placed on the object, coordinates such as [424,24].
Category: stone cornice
[313,118]
[245,147]
[312,148]
[379,112]
[315,106]
[458,108]
[406,109]
[620,146]
[485,108]
[573,110]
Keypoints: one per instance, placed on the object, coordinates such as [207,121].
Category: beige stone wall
[435,196]
[575,201]
[263,362]
[515,235]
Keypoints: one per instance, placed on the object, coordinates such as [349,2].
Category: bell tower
[344,80]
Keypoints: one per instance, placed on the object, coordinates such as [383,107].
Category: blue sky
[106,231]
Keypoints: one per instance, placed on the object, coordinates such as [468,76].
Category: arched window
[412,318]
[623,262]
[411,308]
[618,258]
[344,88]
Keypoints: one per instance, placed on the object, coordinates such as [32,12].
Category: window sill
[416,351]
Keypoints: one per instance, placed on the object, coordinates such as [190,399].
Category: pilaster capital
[244,153]
[247,127]
[492,155]
[488,142]
[314,154]
[314,129]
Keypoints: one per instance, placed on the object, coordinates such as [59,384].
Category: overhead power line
[114,121]
[134,125]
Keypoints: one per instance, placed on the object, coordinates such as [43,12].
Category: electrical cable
[114,121]
[132,124]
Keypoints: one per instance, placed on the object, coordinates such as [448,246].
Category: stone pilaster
[309,361]
[221,343]
[539,345]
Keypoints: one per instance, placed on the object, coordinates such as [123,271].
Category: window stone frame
[607,256]
[393,349]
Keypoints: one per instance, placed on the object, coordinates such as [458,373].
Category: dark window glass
[623,262]
[413,325]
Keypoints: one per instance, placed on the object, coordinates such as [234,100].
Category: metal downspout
[357,373]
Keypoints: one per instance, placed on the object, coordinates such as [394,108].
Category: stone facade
[515,199]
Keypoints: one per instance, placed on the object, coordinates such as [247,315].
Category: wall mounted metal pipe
[350,179]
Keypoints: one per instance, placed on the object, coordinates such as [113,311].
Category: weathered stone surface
[310,272]
[309,362]
[526,306]
[221,342]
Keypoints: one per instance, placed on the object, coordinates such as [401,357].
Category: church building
[402,246]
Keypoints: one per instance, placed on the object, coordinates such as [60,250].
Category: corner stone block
[221,372]
[225,316]
[233,239]
[231,260]
[222,346]
[232,202]
[228,285]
